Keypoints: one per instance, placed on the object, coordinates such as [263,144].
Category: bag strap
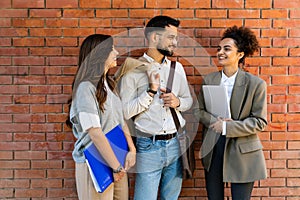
[169,89]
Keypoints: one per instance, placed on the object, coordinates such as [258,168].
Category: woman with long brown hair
[95,110]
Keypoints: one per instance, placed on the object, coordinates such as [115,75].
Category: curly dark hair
[244,39]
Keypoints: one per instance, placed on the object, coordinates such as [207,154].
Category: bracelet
[119,169]
[152,91]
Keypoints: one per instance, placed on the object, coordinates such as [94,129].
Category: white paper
[216,103]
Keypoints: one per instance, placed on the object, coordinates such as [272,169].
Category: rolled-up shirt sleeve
[89,120]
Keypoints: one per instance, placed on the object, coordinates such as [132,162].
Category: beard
[164,51]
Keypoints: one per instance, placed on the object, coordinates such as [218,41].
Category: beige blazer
[243,156]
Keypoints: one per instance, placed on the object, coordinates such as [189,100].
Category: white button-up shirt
[151,116]
[228,83]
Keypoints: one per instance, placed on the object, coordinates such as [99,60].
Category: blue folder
[100,172]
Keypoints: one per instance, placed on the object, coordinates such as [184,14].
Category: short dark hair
[244,39]
[160,22]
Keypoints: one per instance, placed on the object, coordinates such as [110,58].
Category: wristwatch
[119,169]
[152,91]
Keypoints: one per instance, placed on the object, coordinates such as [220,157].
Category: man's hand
[154,79]
[170,100]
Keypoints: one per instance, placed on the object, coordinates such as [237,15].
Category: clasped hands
[129,162]
[170,100]
[218,125]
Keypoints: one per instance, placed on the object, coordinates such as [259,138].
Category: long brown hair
[93,53]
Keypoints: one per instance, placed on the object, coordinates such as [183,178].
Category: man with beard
[145,100]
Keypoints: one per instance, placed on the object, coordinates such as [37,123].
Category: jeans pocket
[143,144]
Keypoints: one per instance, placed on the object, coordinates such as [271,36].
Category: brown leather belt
[157,137]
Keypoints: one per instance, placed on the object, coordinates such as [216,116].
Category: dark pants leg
[241,191]
[214,177]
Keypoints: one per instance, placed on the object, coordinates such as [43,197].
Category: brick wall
[39,42]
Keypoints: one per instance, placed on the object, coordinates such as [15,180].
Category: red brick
[28,23]
[180,13]
[291,23]
[14,146]
[14,51]
[128,4]
[62,22]
[294,33]
[293,182]
[41,108]
[192,23]
[211,13]
[5,23]
[274,33]
[95,4]
[23,193]
[14,183]
[45,164]
[5,4]
[244,14]
[260,23]
[47,32]
[11,32]
[273,164]
[110,13]
[289,42]
[29,99]
[194,4]
[62,4]
[6,174]
[78,31]
[286,4]
[5,118]
[127,23]
[28,42]
[45,13]
[289,61]
[46,146]
[29,60]
[5,42]
[44,89]
[14,109]
[45,51]
[294,146]
[275,13]
[294,70]
[258,4]
[295,52]
[30,155]
[50,183]
[228,4]
[30,80]
[89,23]
[45,127]
[29,137]
[274,51]
[63,61]
[285,155]
[285,191]
[162,4]
[28,4]
[65,192]
[61,42]
[224,23]
[60,80]
[285,136]
[74,13]
[13,13]
[144,13]
[15,164]
[294,14]
[11,89]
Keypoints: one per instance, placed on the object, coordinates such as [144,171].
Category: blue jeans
[158,166]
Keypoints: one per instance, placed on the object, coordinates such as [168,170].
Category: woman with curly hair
[95,110]
[231,151]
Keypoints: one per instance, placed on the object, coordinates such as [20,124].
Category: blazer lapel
[238,94]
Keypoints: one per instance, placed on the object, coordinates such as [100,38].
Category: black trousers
[214,178]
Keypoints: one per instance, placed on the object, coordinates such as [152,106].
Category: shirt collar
[230,79]
[150,59]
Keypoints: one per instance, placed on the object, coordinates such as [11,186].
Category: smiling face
[167,41]
[228,55]
[111,61]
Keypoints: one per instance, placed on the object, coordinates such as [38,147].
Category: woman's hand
[130,160]
[218,125]
[119,176]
